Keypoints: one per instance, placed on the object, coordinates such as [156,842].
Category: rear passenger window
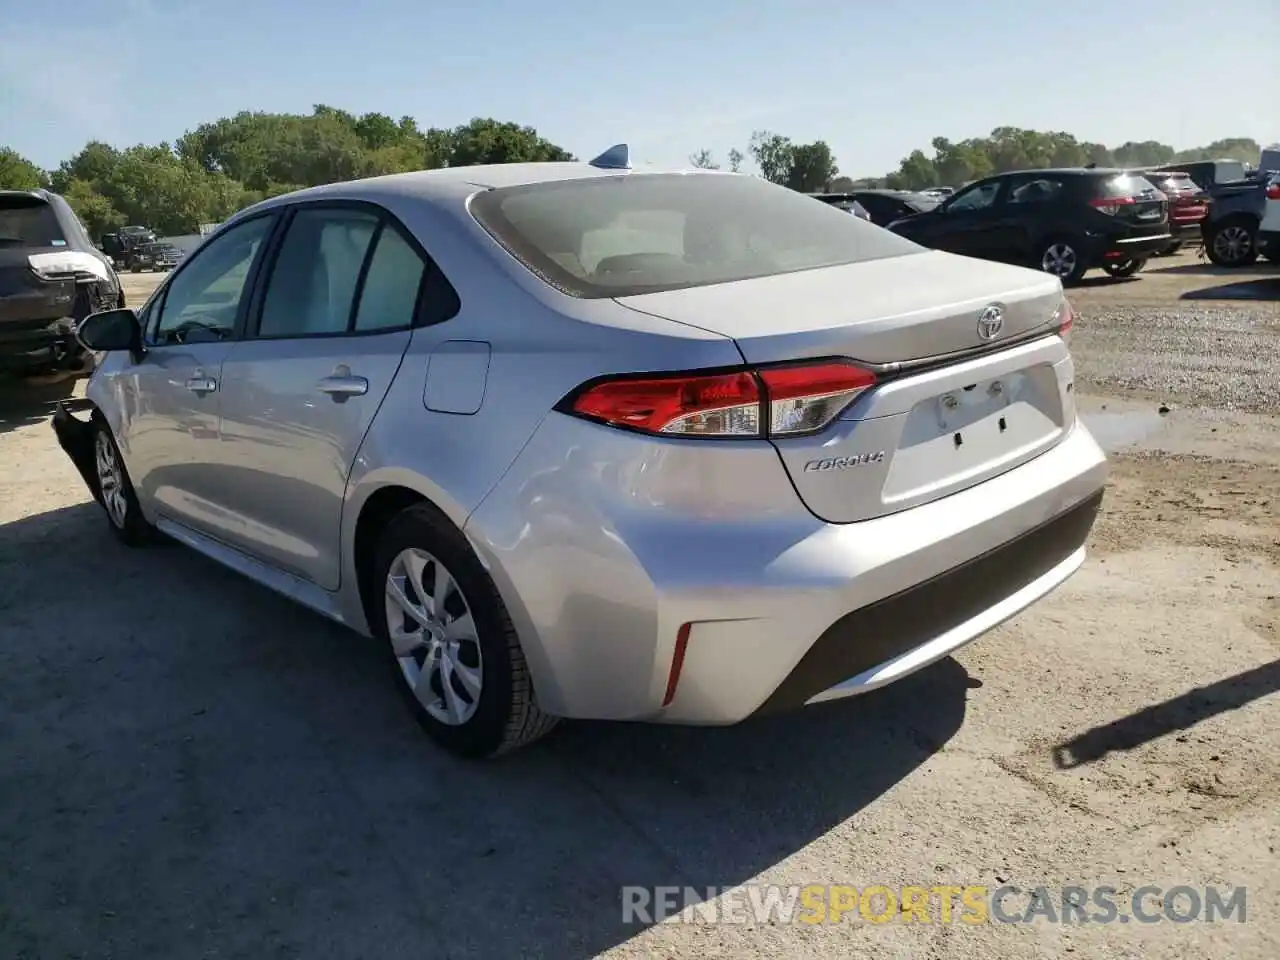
[1040,190]
[391,286]
[312,288]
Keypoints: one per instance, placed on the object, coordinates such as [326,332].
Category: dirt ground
[193,767]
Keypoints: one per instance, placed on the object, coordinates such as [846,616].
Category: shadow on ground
[1266,289]
[193,766]
[23,401]
[1170,716]
[1207,268]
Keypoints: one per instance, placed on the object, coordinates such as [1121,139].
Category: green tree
[703,160]
[735,160]
[812,167]
[19,173]
[772,154]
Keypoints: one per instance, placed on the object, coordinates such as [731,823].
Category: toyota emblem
[991,321]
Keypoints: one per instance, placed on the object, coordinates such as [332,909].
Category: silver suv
[573,440]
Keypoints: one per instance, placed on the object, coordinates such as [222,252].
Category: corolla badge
[844,463]
[991,321]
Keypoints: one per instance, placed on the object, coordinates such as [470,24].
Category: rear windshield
[1224,171]
[1128,185]
[29,222]
[921,202]
[644,233]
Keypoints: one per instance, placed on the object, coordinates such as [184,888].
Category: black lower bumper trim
[76,438]
[874,634]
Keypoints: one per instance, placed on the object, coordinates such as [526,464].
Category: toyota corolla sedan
[578,440]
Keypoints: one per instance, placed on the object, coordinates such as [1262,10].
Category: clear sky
[875,80]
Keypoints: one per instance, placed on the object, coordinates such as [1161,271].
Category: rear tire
[115,491]
[1062,257]
[1125,268]
[456,657]
[1233,242]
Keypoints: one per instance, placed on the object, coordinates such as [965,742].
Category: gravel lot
[194,767]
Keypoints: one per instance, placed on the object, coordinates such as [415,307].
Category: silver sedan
[578,440]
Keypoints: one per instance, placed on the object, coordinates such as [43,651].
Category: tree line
[811,167]
[218,168]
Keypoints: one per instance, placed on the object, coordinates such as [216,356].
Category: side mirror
[111,330]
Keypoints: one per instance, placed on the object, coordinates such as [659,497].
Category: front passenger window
[976,198]
[201,301]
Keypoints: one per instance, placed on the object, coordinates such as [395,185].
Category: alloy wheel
[1059,259]
[433,636]
[111,479]
[1232,243]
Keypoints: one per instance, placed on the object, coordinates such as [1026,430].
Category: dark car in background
[51,278]
[1063,221]
[1188,206]
[158,256]
[845,202]
[885,206]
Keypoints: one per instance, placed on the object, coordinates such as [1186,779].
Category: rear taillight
[1111,205]
[778,401]
[1064,319]
[1273,190]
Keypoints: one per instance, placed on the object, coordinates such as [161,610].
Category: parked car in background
[157,256]
[51,277]
[578,440]
[885,206]
[1063,222]
[1207,174]
[1230,230]
[1188,206]
[124,243]
[845,202]
[1269,229]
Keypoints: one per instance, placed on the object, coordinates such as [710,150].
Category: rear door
[330,327]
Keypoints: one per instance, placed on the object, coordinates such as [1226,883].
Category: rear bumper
[1186,230]
[75,436]
[1108,248]
[777,609]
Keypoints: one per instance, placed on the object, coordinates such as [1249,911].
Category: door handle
[341,386]
[202,385]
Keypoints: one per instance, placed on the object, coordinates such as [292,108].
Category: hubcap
[1232,243]
[1059,259]
[433,636]
[111,480]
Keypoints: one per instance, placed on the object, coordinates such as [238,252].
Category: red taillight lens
[725,405]
[808,397]
[1273,190]
[770,401]
[1111,205]
[1066,318]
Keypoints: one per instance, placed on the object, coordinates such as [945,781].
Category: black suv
[51,277]
[1061,221]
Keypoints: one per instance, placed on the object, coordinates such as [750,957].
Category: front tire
[1063,258]
[116,493]
[451,641]
[1232,243]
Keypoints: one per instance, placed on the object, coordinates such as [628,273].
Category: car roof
[456,182]
[1068,171]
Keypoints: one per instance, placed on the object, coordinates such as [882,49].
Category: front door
[300,391]
[171,397]
[968,224]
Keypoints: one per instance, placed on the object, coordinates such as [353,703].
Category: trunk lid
[878,311]
[928,430]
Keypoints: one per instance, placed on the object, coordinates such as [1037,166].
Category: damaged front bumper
[76,437]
